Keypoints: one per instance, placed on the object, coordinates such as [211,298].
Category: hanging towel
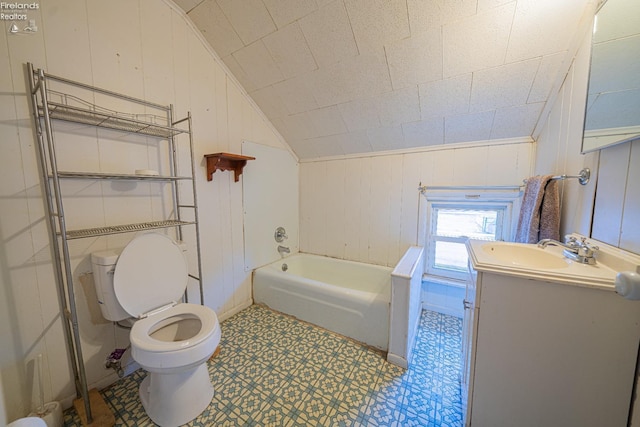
[550,212]
[528,229]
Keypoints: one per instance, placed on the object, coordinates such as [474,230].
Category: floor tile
[273,370]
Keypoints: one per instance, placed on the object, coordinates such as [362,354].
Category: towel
[550,212]
[540,210]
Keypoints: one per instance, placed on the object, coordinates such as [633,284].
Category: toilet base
[175,399]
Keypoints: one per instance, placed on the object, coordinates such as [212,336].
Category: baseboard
[397,360]
[443,309]
[235,310]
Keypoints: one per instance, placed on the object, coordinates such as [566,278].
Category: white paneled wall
[559,146]
[607,211]
[366,208]
[617,207]
[146,49]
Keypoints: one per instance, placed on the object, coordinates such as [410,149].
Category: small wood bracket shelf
[226,162]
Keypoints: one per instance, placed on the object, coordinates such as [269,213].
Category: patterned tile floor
[276,371]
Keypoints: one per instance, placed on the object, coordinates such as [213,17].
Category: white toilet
[171,340]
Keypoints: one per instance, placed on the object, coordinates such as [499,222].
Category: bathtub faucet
[579,251]
[283,250]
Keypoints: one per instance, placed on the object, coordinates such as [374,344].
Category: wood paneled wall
[366,208]
[146,49]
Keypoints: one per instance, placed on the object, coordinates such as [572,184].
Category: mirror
[613,99]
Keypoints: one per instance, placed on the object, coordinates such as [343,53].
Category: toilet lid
[151,272]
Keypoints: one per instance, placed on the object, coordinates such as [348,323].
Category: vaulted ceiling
[356,76]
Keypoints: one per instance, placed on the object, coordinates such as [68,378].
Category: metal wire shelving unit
[52,105]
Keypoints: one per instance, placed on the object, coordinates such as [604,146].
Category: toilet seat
[150,278]
[150,273]
[142,330]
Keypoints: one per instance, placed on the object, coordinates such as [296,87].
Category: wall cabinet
[541,353]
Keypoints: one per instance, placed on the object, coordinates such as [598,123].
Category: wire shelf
[121,176]
[90,114]
[126,228]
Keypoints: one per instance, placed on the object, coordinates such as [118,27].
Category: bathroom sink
[524,255]
[549,264]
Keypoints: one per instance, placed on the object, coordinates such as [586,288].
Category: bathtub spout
[283,250]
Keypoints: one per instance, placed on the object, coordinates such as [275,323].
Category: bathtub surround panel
[346,297]
[152,52]
[270,199]
[406,287]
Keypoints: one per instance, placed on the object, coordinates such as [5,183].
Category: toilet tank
[103,265]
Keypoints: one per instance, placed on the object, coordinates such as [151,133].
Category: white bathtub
[346,297]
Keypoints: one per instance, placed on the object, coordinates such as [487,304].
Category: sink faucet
[571,245]
[283,250]
[581,251]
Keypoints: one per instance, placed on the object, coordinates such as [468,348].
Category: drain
[285,267]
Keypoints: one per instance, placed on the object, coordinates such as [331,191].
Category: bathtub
[346,297]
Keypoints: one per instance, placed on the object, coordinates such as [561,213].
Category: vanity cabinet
[544,353]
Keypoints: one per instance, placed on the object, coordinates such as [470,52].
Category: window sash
[505,201]
[452,270]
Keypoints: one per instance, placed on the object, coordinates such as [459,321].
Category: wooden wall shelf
[226,162]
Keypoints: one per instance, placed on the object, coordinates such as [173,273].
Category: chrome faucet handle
[587,250]
[280,234]
[571,241]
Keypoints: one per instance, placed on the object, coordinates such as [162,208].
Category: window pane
[476,224]
[451,255]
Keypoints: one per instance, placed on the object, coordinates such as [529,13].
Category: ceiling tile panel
[415,60]
[360,114]
[250,18]
[331,85]
[270,102]
[423,133]
[425,15]
[304,149]
[512,122]
[490,4]
[216,28]
[285,12]
[328,33]
[399,106]
[299,126]
[355,76]
[468,127]
[377,22]
[290,51]
[355,142]
[367,74]
[296,94]
[503,86]
[445,97]
[386,138]
[327,121]
[477,42]
[258,65]
[546,77]
[327,145]
[239,73]
[543,27]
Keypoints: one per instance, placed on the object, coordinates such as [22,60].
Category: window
[453,216]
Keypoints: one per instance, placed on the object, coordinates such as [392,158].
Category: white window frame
[506,199]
